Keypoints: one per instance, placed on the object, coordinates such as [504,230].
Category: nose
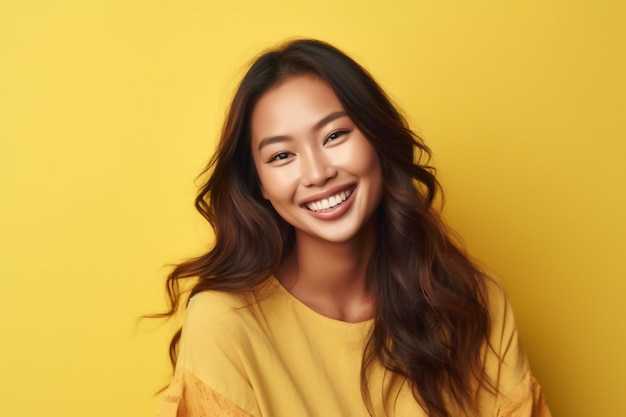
[316,169]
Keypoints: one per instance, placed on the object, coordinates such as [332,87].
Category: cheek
[369,166]
[367,163]
[354,156]
[275,184]
[372,164]
[264,189]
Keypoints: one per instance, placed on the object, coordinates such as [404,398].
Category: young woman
[333,288]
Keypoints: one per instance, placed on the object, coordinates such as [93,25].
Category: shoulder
[503,326]
[207,303]
[215,335]
[497,301]
[518,392]
[213,354]
[506,361]
[220,316]
[215,313]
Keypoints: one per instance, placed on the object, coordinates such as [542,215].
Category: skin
[305,148]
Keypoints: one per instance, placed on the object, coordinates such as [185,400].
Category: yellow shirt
[272,356]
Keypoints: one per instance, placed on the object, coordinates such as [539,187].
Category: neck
[330,277]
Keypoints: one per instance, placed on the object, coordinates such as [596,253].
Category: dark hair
[431,320]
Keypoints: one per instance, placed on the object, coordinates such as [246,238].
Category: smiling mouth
[329,203]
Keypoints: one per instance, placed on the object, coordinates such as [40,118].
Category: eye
[279,156]
[336,135]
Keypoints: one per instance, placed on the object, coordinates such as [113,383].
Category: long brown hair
[431,321]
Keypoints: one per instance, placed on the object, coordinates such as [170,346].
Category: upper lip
[328,193]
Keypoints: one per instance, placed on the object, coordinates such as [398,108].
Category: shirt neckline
[309,312]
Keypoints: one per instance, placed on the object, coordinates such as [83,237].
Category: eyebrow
[320,124]
[328,119]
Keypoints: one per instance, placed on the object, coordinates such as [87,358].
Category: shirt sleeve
[526,400]
[519,393]
[210,379]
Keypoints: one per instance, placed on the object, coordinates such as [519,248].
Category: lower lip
[333,213]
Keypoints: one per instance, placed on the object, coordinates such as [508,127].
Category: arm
[210,379]
[519,392]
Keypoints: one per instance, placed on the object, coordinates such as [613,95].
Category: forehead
[293,106]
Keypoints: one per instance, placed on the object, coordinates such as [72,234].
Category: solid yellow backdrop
[109,109]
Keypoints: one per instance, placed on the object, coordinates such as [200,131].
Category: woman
[333,287]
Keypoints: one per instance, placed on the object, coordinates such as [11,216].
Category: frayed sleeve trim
[188,396]
[526,400]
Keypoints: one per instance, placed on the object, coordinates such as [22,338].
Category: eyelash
[336,135]
[277,156]
[333,136]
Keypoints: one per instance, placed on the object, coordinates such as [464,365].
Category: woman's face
[315,166]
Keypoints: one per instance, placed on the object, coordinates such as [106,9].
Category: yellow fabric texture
[270,355]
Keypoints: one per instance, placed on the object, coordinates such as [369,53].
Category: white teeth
[330,202]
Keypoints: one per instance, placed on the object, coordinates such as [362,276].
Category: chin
[340,235]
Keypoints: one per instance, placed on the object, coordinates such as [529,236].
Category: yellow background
[109,109]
